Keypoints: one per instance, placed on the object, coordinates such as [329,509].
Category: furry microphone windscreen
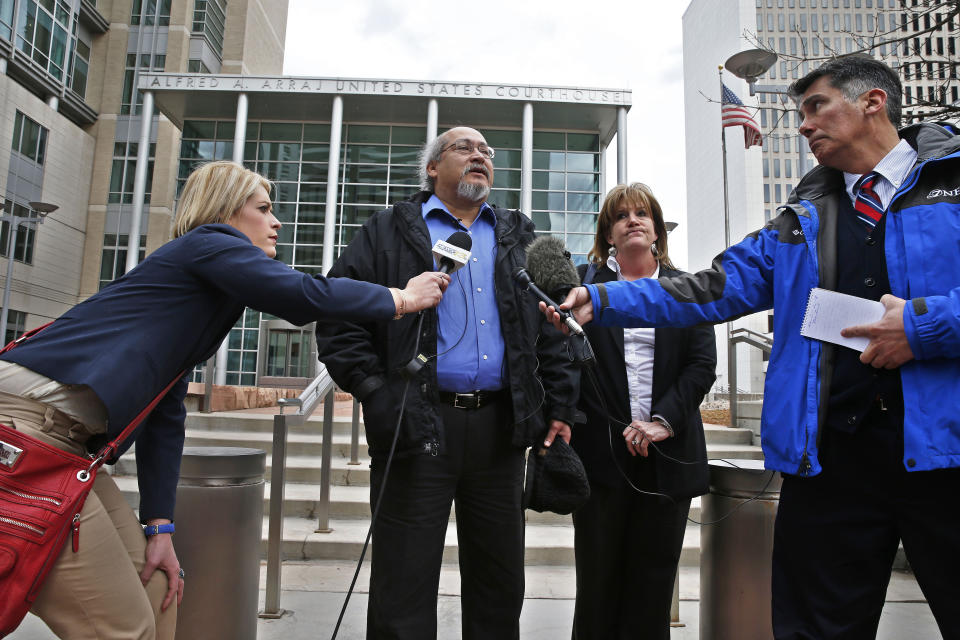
[549,265]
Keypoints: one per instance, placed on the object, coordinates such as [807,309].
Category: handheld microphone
[454,252]
[523,279]
[450,256]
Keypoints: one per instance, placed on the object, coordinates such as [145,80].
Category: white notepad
[828,312]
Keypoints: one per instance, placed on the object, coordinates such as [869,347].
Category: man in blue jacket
[868,444]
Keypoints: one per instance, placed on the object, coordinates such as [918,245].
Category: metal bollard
[736,552]
[219,517]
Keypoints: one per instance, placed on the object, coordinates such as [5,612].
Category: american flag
[734,114]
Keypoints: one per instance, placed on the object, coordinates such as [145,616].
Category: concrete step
[720,434]
[263,422]
[258,427]
[346,502]
[548,545]
[303,444]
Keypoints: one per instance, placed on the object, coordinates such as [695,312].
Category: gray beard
[472,191]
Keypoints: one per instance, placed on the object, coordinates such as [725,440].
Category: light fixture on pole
[749,65]
[42,209]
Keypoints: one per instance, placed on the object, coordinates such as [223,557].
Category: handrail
[754,339]
[321,388]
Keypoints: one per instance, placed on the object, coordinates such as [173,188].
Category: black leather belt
[472,399]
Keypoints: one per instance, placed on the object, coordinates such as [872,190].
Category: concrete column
[240,130]
[239,140]
[431,120]
[140,180]
[333,171]
[526,162]
[622,145]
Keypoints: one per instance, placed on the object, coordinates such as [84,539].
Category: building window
[197,66]
[26,234]
[6,19]
[29,138]
[150,12]
[208,21]
[154,63]
[42,33]
[113,260]
[124,169]
[79,68]
[16,325]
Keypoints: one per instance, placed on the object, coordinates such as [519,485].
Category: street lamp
[41,209]
[751,64]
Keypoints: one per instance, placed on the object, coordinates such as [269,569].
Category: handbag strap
[111,447]
[25,336]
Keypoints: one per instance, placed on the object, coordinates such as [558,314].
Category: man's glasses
[466,147]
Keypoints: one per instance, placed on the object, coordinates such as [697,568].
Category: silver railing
[760,341]
[322,388]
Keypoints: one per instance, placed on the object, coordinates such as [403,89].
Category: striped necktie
[868,205]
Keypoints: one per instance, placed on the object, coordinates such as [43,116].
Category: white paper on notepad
[828,312]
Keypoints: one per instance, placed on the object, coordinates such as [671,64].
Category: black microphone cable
[383,483]
[611,420]
[416,362]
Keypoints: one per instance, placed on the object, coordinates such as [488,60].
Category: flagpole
[731,346]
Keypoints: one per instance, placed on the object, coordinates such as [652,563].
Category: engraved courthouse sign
[360,86]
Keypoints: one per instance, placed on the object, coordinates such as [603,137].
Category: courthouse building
[206,76]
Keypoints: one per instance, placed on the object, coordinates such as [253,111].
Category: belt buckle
[466,397]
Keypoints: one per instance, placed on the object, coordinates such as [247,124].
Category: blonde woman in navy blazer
[628,543]
[78,382]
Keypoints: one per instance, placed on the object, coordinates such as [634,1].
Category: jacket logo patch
[798,232]
[940,193]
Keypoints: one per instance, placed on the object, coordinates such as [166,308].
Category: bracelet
[401,307]
[666,425]
[154,529]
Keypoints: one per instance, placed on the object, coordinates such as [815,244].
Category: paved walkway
[314,593]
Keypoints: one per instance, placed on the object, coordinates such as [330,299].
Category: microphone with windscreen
[550,266]
[551,269]
[548,263]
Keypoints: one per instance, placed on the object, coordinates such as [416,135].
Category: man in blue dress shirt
[488,389]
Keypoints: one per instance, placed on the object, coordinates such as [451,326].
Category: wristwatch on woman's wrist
[154,529]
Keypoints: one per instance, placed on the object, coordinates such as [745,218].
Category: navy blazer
[684,368]
[165,316]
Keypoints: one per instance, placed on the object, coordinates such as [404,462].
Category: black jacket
[684,367]
[366,359]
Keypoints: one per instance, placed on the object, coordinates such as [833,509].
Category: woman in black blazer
[649,385]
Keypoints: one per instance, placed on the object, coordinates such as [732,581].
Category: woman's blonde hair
[214,192]
[639,196]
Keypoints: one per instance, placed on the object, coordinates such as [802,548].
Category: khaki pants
[96,592]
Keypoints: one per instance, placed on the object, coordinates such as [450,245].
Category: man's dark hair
[854,75]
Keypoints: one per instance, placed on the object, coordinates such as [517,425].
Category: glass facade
[43,33]
[150,13]
[6,19]
[208,20]
[378,166]
[131,100]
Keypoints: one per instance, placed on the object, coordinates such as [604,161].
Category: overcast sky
[595,43]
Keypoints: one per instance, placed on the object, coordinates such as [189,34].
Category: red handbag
[42,491]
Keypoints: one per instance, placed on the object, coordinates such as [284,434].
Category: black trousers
[627,547]
[481,471]
[837,533]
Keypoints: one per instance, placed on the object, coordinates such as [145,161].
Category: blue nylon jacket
[172,311]
[777,266]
